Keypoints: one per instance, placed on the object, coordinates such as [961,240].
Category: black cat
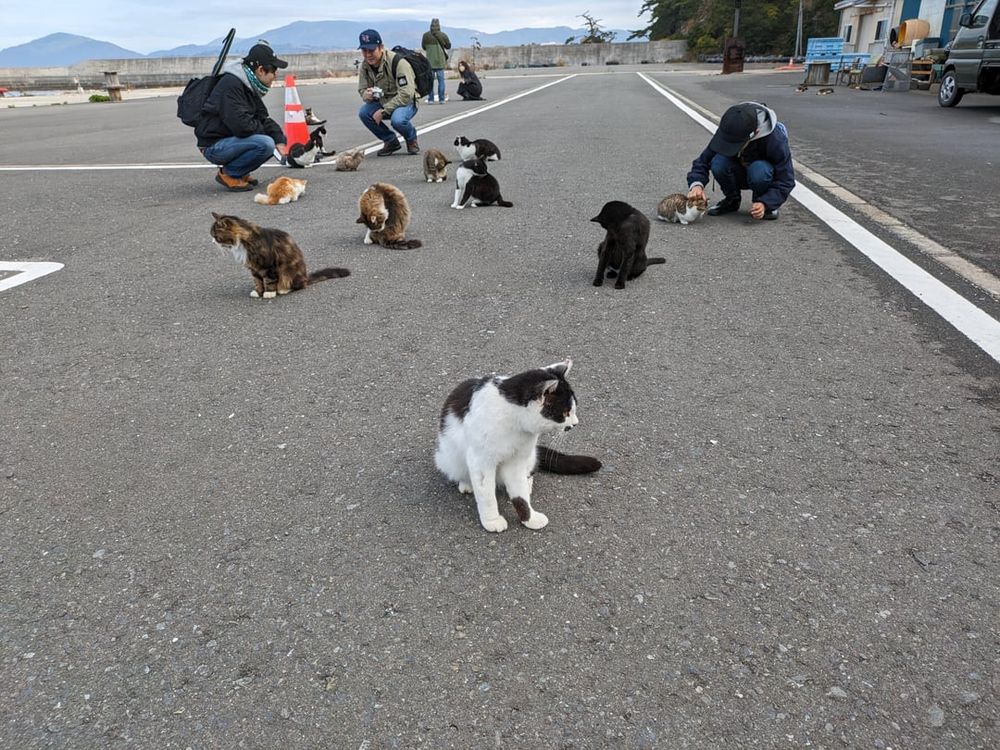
[622,253]
[473,182]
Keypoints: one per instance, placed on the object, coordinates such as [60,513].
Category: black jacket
[232,109]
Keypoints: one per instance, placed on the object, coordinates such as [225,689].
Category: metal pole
[736,20]
[798,33]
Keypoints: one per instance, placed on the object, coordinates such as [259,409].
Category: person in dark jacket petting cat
[387,97]
[235,130]
[470,87]
[749,151]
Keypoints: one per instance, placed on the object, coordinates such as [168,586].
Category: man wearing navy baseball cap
[388,88]
[749,151]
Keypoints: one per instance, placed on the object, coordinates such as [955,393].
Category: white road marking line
[979,327]
[25,272]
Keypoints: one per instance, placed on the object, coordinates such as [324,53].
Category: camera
[376,93]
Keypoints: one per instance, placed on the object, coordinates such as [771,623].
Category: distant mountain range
[299,37]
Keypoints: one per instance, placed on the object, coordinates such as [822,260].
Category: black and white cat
[477,149]
[489,434]
[297,151]
[474,183]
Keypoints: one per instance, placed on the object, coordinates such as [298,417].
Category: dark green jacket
[435,43]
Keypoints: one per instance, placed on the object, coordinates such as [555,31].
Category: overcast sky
[144,26]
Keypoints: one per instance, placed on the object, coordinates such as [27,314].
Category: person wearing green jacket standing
[436,45]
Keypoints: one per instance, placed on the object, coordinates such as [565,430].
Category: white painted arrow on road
[24,272]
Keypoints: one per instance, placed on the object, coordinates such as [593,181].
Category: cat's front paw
[465,488]
[254,295]
[270,295]
[430,179]
[619,284]
[455,205]
[495,525]
[536,521]
[598,281]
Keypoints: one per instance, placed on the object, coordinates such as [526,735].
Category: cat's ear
[561,368]
[360,220]
[216,216]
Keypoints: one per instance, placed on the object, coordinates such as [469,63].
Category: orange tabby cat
[281,190]
[386,213]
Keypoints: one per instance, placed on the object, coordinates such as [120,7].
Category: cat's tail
[403,244]
[654,261]
[328,273]
[505,204]
[562,463]
[262,199]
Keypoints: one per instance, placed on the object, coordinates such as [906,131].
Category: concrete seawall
[174,71]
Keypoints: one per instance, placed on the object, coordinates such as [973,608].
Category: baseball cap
[736,128]
[369,39]
[261,54]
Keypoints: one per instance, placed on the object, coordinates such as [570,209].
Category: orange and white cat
[281,190]
[386,213]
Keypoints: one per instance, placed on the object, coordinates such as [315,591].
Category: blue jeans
[439,74]
[732,176]
[400,120]
[239,157]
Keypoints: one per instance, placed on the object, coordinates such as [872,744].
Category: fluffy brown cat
[272,257]
[435,165]
[677,207]
[349,161]
[386,213]
[281,190]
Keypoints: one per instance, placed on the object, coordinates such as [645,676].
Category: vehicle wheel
[949,94]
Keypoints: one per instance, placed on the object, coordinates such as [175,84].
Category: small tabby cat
[477,149]
[473,183]
[272,257]
[678,207]
[435,165]
[349,161]
[489,432]
[622,253]
[386,212]
[281,190]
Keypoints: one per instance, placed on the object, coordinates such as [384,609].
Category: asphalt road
[222,526]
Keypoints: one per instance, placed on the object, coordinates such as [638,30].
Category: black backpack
[421,69]
[193,98]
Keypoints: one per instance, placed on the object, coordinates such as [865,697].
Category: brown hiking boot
[412,147]
[388,147]
[236,184]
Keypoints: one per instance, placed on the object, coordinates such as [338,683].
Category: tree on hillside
[766,26]
[595,34]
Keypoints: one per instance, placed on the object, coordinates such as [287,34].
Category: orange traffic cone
[296,130]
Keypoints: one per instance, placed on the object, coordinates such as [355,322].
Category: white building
[865,24]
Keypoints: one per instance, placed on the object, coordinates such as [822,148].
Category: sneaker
[725,206]
[412,147]
[770,214]
[235,184]
[390,147]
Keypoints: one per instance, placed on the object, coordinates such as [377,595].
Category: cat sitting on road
[489,431]
[622,253]
[473,183]
[386,213]
[678,207]
[272,257]
[435,165]
[349,161]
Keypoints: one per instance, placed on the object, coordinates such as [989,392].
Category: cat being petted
[272,257]
[680,208]
[488,435]
[473,184]
[622,253]
[281,190]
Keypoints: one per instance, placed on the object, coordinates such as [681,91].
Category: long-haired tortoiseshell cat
[678,207]
[489,433]
[622,253]
[281,190]
[386,213]
[272,257]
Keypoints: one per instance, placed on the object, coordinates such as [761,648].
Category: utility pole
[736,20]
[798,33]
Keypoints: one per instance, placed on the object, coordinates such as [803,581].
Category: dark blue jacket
[773,148]
[232,109]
